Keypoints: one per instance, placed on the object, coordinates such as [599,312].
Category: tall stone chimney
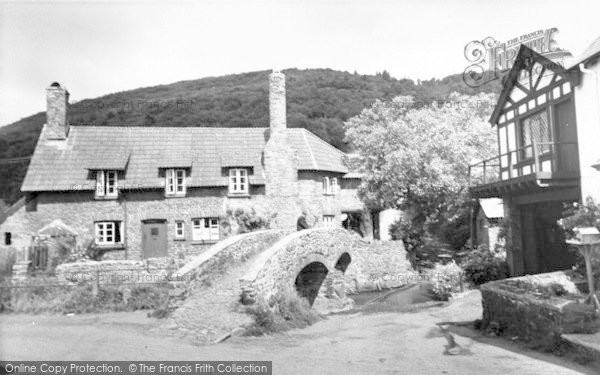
[280,159]
[57,101]
[277,113]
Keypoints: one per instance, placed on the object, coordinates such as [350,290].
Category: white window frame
[334,185]
[330,185]
[175,184]
[179,229]
[205,229]
[106,231]
[107,184]
[238,181]
[329,221]
[326,186]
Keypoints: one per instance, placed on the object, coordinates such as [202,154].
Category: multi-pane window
[238,181]
[205,229]
[535,129]
[175,182]
[179,229]
[330,185]
[329,221]
[106,184]
[108,232]
[334,185]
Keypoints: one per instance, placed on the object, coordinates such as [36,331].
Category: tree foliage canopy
[415,157]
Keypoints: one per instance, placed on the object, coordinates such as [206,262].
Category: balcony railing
[555,158]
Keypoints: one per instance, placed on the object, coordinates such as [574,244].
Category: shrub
[481,266]
[288,310]
[445,280]
[246,219]
[412,236]
[586,215]
[456,232]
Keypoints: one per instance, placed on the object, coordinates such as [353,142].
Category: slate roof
[142,151]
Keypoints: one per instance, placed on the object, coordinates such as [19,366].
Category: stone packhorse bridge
[308,261]
[261,266]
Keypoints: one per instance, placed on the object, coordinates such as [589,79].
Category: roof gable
[530,72]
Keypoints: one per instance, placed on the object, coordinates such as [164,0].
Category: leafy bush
[577,216]
[445,280]
[413,236]
[456,231]
[481,266]
[288,310]
[246,219]
[586,215]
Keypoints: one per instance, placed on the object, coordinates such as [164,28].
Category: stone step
[586,345]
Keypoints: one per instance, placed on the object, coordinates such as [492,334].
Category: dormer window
[106,184]
[238,181]
[330,185]
[175,182]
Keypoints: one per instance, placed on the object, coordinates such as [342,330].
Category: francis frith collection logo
[489,58]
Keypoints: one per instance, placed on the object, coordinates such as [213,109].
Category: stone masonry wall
[117,272]
[80,210]
[278,267]
[516,313]
[379,265]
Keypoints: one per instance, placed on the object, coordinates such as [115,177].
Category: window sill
[110,247]
[106,198]
[204,242]
[175,195]
[238,195]
[179,239]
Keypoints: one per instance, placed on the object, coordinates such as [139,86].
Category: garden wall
[520,307]
[379,265]
[116,272]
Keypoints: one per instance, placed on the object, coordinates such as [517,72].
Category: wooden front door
[154,239]
[566,136]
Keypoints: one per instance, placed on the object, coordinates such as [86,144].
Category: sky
[97,48]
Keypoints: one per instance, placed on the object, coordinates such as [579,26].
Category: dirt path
[382,343]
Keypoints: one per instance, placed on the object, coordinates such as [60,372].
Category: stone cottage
[141,192]
[548,125]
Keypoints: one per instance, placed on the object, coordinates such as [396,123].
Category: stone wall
[80,210]
[379,265]
[117,272]
[513,312]
[278,267]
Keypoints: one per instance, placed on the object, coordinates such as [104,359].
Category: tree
[415,156]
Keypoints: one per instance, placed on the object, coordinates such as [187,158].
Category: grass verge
[79,299]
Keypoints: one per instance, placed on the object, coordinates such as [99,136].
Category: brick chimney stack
[277,113]
[57,101]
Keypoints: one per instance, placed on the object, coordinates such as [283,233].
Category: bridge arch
[301,261]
